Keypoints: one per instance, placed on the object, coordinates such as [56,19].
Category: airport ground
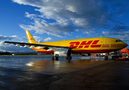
[26,73]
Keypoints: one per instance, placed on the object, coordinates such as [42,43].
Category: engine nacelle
[61,52]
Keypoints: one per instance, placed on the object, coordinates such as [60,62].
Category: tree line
[5,53]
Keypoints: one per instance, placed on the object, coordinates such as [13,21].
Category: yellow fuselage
[87,45]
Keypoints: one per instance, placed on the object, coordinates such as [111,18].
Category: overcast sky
[54,20]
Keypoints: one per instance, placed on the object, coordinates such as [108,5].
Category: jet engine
[61,52]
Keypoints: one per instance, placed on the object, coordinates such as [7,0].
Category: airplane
[67,47]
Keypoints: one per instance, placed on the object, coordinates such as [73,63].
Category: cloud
[32,16]
[41,26]
[121,35]
[78,36]
[119,28]
[47,39]
[69,15]
[38,39]
[9,37]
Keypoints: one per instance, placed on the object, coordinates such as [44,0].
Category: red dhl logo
[85,44]
[30,39]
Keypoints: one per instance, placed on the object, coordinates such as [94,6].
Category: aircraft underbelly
[79,50]
[94,51]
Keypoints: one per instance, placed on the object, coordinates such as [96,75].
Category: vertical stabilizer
[30,37]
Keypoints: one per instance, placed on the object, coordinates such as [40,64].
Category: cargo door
[106,43]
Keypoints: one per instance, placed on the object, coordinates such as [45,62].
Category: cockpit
[119,41]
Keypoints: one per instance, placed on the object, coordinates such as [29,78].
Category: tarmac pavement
[109,76]
[62,75]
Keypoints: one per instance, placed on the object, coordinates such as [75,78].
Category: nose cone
[125,44]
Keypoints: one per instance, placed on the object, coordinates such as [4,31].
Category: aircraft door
[106,41]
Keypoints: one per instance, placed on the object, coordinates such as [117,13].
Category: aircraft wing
[36,45]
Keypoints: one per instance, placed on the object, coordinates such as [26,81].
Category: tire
[114,58]
[68,57]
[106,57]
[54,58]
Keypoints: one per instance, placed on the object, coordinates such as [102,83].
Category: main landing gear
[106,58]
[68,55]
[55,58]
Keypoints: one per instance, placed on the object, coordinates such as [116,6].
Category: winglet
[30,37]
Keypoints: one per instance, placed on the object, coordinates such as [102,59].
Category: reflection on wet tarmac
[37,73]
[40,73]
[44,64]
[60,67]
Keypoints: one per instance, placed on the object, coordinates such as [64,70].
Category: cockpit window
[118,41]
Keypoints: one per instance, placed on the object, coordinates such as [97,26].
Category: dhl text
[85,44]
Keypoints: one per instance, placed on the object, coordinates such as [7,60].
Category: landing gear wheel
[113,58]
[106,57]
[54,58]
[68,57]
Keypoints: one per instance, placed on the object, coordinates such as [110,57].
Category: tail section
[30,37]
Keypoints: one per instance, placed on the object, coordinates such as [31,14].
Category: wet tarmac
[40,73]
